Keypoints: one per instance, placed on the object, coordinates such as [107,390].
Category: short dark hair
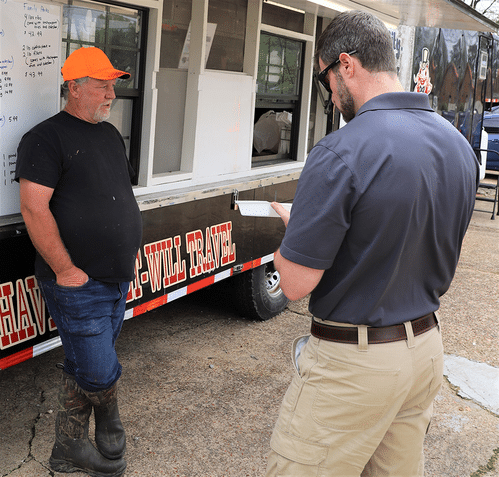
[360,31]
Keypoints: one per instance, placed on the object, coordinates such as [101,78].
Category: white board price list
[29,81]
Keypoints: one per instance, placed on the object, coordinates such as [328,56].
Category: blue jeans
[89,319]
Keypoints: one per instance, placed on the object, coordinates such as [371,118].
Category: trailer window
[228,19]
[225,34]
[277,99]
[286,18]
[120,33]
[174,28]
[279,67]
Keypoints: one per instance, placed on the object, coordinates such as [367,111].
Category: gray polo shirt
[382,205]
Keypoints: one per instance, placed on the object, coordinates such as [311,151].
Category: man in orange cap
[83,219]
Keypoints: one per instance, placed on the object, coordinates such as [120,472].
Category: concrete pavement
[465,427]
[201,388]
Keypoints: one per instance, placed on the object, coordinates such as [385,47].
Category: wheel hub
[272,282]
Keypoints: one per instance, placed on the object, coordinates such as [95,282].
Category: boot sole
[64,466]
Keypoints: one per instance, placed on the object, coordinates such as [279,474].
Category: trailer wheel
[258,294]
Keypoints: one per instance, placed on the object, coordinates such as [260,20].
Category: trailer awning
[453,14]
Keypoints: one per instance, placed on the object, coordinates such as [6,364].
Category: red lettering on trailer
[216,251]
[228,248]
[14,327]
[135,290]
[163,271]
[153,253]
[35,350]
[195,246]
[178,274]
[23,314]
[18,320]
[168,264]
[215,235]
[26,327]
[7,329]
[209,259]
[38,305]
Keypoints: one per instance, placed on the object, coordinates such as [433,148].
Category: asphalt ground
[201,387]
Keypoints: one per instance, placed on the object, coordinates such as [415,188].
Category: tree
[488,8]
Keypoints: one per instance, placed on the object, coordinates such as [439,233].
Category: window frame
[282,101]
[135,94]
[285,98]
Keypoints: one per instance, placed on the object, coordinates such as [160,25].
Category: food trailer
[221,109]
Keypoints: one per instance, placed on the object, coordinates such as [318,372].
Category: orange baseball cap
[92,62]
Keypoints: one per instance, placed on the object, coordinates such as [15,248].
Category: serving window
[225,33]
[227,19]
[280,66]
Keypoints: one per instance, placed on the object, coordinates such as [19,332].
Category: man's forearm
[297,281]
[44,233]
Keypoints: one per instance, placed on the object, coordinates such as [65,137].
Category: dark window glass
[282,17]
[120,33]
[174,28]
[228,18]
[279,66]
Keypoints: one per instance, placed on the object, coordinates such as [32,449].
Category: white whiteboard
[30,39]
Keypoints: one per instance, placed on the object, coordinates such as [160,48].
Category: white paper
[184,57]
[258,208]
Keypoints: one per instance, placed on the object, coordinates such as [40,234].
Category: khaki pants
[357,410]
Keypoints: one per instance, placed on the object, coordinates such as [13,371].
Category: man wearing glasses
[374,235]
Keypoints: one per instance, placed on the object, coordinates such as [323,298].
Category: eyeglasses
[321,76]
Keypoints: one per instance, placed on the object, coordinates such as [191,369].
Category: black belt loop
[386,334]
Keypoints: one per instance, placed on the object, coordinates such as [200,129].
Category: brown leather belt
[386,334]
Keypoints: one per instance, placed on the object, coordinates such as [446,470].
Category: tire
[257,294]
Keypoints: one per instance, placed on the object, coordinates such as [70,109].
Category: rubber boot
[110,436]
[72,451]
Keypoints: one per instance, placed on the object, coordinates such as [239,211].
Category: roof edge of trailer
[449,14]
[487,22]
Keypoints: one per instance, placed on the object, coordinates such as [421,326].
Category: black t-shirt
[93,203]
